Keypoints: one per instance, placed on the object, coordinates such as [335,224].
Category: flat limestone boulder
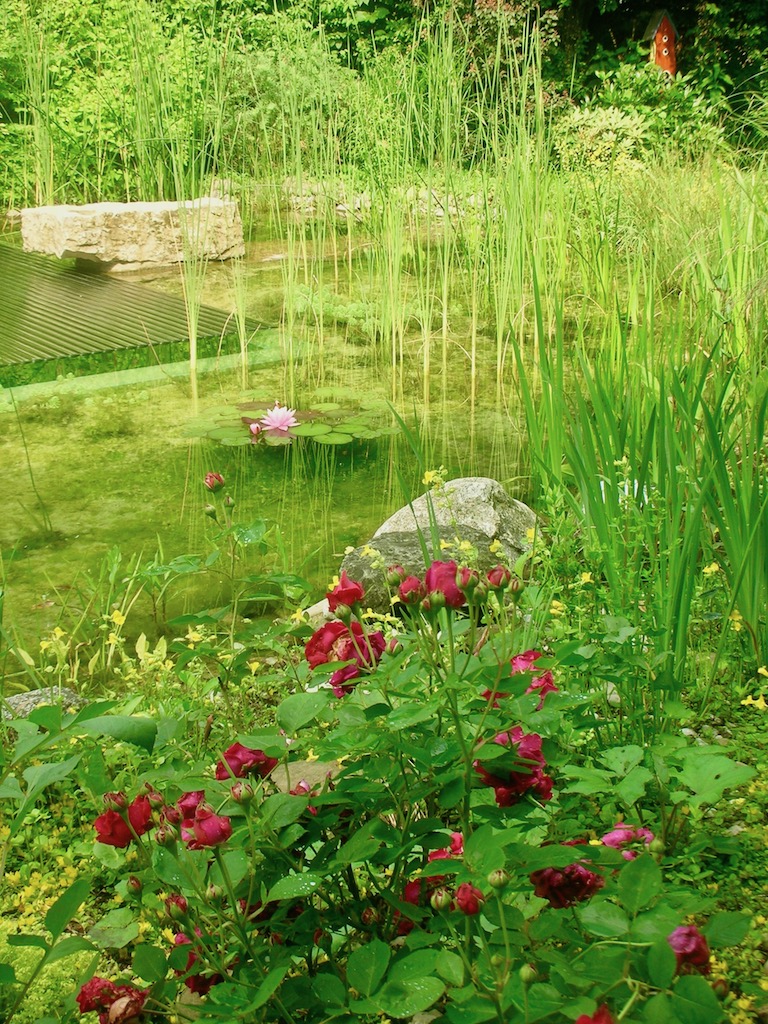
[132,236]
[474,510]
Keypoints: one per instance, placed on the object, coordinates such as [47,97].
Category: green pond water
[106,471]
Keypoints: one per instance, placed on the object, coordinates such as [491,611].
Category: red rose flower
[140,815]
[199,983]
[562,887]
[189,802]
[456,849]
[441,579]
[116,1004]
[209,828]
[528,775]
[601,1015]
[691,950]
[411,590]
[337,642]
[239,761]
[346,592]
[112,830]
[469,899]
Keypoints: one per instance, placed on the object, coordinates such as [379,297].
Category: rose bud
[135,885]
[176,906]
[411,590]
[229,502]
[498,879]
[210,511]
[242,792]
[467,580]
[527,974]
[499,577]
[395,575]
[115,801]
[469,899]
[440,899]
[165,835]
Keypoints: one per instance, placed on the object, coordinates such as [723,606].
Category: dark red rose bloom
[499,577]
[528,775]
[140,815]
[340,680]
[208,828]
[412,590]
[95,994]
[563,887]
[214,481]
[116,1004]
[541,684]
[112,830]
[337,642]
[239,761]
[202,984]
[601,1015]
[441,579]
[456,849]
[176,905]
[691,950]
[189,802]
[469,899]
[346,592]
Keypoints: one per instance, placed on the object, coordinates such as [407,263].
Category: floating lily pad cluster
[325,423]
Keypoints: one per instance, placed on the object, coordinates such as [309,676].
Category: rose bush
[444,841]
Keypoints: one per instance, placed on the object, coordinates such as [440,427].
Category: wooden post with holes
[662,35]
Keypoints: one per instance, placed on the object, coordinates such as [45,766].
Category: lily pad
[311,429]
[334,438]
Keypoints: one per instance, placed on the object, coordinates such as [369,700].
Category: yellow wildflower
[169,935]
[763,671]
[465,547]
[44,645]
[193,636]
[298,615]
[58,633]
[736,620]
[530,535]
[368,551]
[556,609]
[586,577]
[760,703]
[311,755]
[334,583]
[113,639]
[495,546]
[434,477]
[253,667]
[445,545]
[117,617]
[711,569]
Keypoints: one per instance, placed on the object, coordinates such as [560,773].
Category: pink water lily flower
[279,419]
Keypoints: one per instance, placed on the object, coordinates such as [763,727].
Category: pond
[106,472]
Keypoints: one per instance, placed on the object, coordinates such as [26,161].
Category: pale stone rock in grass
[476,510]
[21,705]
[132,236]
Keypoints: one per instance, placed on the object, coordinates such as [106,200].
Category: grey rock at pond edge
[131,236]
[474,509]
[21,705]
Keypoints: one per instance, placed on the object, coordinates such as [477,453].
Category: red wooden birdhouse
[662,35]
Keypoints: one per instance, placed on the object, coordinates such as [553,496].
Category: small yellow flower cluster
[435,477]
[736,620]
[495,546]
[117,617]
[711,569]
[557,609]
[760,703]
